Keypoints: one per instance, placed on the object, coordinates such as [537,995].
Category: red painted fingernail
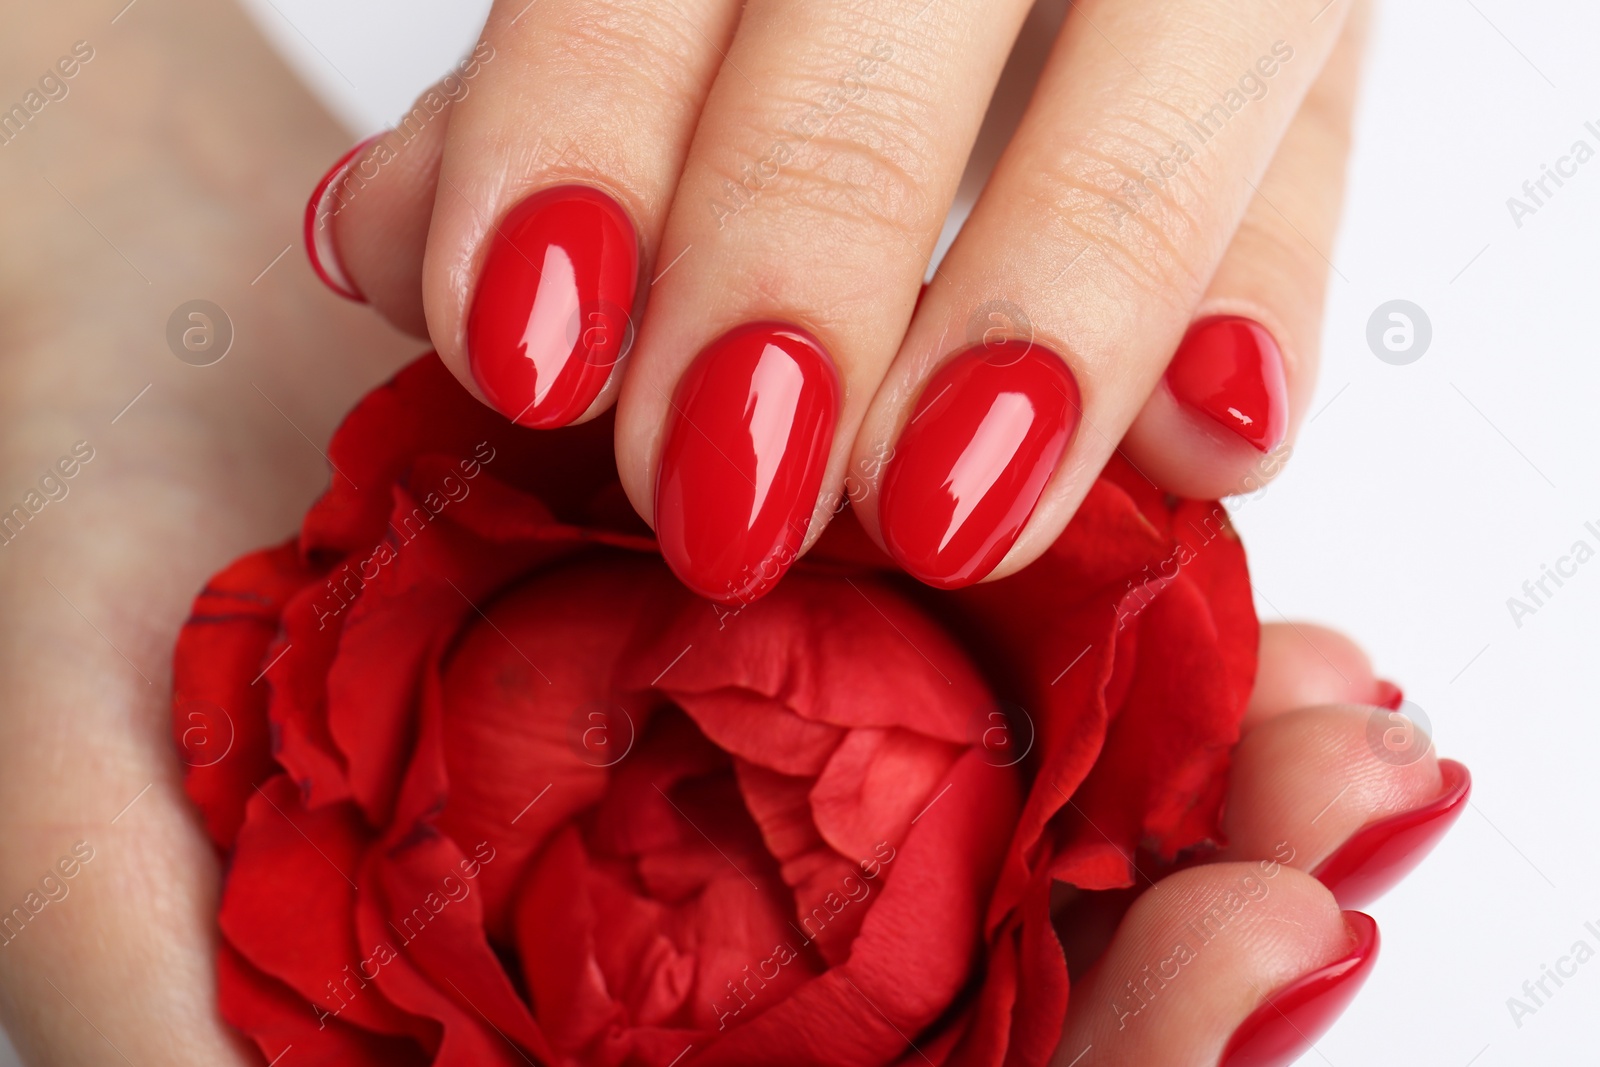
[1293,1017]
[327,200]
[1377,856]
[550,317]
[1229,369]
[985,437]
[753,421]
[1387,695]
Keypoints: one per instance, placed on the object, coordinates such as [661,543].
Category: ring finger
[1060,304]
[1238,385]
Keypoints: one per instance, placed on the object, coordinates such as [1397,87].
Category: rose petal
[1057,633]
[762,730]
[781,806]
[1221,574]
[418,586]
[867,659]
[423,410]
[649,973]
[276,1019]
[297,673]
[527,724]
[1016,1017]
[715,835]
[219,712]
[875,785]
[420,899]
[288,905]
[985,1033]
[555,931]
[750,959]
[1165,758]
[936,884]
[638,815]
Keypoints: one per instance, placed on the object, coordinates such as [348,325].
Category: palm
[209,462]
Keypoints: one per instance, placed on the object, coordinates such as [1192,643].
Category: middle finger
[1077,272]
[823,168]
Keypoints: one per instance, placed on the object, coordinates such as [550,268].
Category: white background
[1420,498]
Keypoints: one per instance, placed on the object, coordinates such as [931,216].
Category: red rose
[495,789]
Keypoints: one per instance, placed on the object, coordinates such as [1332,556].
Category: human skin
[175,169]
[791,163]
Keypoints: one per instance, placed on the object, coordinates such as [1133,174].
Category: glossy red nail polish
[327,200]
[1293,1017]
[550,317]
[1378,855]
[1229,369]
[986,435]
[1387,695]
[752,423]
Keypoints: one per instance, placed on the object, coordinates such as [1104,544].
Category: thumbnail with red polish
[1377,856]
[1293,1017]
[1230,370]
[987,433]
[751,426]
[550,317]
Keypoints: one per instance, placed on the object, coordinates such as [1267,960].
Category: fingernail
[1377,856]
[1293,1017]
[550,317]
[1387,695]
[1229,369]
[986,435]
[753,421]
[327,200]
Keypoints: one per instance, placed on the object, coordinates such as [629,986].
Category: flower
[494,789]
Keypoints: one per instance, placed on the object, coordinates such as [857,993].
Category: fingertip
[984,439]
[1384,851]
[1305,665]
[378,216]
[1290,1019]
[1356,795]
[1199,954]
[1219,421]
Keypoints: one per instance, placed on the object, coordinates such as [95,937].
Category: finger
[1331,776]
[1230,964]
[367,221]
[1354,795]
[996,435]
[1303,665]
[822,171]
[556,177]
[1239,383]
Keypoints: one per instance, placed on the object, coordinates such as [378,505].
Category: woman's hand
[142,194]
[173,169]
[774,177]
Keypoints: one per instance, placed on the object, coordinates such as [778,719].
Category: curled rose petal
[219,706]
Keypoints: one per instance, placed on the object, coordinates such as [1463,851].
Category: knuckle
[1269,240]
[641,48]
[838,146]
[1132,192]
